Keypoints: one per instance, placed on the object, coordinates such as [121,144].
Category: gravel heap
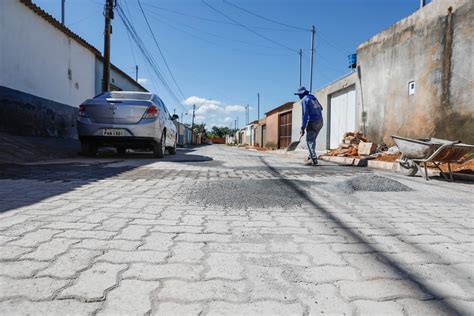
[372,183]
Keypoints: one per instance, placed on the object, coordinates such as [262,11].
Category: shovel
[293,145]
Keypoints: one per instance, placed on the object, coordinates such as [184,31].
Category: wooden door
[284,130]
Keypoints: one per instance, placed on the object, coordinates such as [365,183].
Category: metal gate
[284,130]
[343,115]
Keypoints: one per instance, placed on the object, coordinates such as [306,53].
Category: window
[411,88]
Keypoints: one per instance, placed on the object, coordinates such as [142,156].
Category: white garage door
[343,115]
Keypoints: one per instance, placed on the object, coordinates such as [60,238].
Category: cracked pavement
[226,231]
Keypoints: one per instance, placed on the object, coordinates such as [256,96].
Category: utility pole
[109,15]
[247,114]
[313,30]
[301,61]
[174,111]
[235,124]
[192,122]
[181,117]
[136,73]
[62,11]
[258,106]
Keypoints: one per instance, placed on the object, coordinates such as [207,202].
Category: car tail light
[82,110]
[151,112]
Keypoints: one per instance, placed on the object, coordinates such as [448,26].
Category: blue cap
[301,90]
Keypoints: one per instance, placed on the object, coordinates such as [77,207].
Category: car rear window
[126,95]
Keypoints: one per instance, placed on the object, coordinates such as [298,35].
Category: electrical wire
[148,57]
[211,20]
[265,18]
[167,23]
[159,49]
[249,29]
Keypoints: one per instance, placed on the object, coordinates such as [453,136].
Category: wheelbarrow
[418,152]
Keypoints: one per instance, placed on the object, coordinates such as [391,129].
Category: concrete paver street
[226,231]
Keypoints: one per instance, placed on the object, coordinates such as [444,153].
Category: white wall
[35,57]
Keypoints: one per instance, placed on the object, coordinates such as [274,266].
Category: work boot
[309,162]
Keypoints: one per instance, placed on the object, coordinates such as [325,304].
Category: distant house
[47,71]
[259,134]
[278,126]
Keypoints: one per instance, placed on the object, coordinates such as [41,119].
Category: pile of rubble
[354,144]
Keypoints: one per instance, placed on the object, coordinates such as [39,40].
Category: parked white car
[122,119]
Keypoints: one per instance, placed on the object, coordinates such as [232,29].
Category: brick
[113,224]
[66,226]
[21,268]
[32,289]
[370,267]
[203,237]
[373,308]
[144,271]
[131,297]
[226,266]
[176,229]
[34,238]
[321,299]
[68,264]
[324,274]
[158,241]
[56,307]
[218,227]
[50,249]
[202,290]
[322,254]
[133,232]
[283,247]
[430,307]
[147,256]
[92,283]
[382,289]
[175,309]
[116,244]
[12,252]
[187,252]
[81,234]
[255,308]
[237,247]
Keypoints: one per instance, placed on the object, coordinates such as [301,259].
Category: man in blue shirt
[312,122]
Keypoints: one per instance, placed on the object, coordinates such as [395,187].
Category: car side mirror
[175,117]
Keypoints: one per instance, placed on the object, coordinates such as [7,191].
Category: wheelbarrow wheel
[408,167]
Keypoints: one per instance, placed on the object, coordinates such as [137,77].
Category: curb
[348,161]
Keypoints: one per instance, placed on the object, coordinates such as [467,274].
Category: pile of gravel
[239,194]
[371,183]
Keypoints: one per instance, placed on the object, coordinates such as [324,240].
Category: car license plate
[113,132]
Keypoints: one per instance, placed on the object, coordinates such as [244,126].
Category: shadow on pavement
[404,273]
[26,184]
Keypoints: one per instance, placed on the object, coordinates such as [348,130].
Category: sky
[221,53]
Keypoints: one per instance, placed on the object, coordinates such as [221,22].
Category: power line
[209,33]
[249,29]
[212,20]
[265,18]
[148,57]
[159,49]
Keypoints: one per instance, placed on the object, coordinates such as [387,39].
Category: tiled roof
[51,20]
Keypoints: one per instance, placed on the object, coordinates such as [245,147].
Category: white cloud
[234,108]
[214,112]
[143,81]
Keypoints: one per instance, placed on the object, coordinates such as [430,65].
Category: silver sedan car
[135,120]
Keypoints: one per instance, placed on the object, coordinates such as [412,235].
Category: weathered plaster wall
[434,49]
[272,130]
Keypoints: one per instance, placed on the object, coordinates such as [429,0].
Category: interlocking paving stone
[135,236]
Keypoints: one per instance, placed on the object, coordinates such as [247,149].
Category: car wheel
[121,150]
[88,149]
[172,150]
[159,148]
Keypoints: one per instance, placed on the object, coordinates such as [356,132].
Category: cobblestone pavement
[226,231]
